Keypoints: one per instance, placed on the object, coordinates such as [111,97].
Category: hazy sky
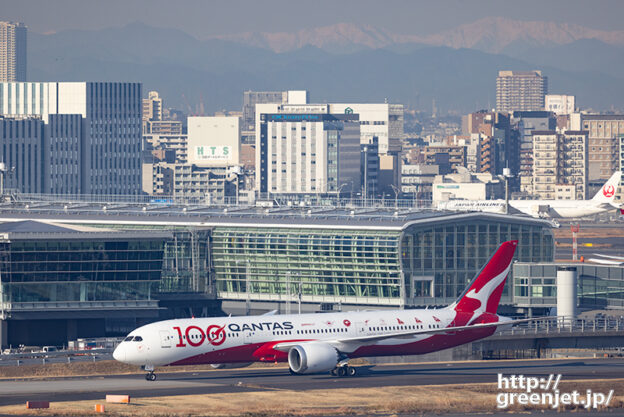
[203,18]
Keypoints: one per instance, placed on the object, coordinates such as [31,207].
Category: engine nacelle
[230,365]
[311,358]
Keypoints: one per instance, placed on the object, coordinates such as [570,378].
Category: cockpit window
[138,339]
[128,339]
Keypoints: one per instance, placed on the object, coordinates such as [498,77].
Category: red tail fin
[484,292]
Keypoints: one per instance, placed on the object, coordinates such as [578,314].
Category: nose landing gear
[151,376]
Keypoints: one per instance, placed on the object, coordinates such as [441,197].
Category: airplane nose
[120,353]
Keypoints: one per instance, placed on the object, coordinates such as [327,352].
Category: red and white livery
[314,343]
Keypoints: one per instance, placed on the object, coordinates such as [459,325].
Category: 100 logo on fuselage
[216,335]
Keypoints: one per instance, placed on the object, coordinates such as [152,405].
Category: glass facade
[351,266]
[186,257]
[186,260]
[426,260]
[425,264]
[49,270]
[599,286]
[440,259]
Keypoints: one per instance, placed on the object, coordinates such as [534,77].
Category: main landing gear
[343,370]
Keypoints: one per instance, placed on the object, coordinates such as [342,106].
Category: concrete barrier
[37,404]
[118,399]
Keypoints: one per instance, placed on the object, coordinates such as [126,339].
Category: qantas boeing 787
[314,343]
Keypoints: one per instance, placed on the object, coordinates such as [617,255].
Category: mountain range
[343,62]
[490,34]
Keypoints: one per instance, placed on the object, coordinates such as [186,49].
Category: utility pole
[365,175]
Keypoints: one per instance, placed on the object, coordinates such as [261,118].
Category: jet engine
[312,358]
[230,365]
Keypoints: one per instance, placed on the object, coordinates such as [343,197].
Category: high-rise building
[251,98]
[152,107]
[379,123]
[498,149]
[604,132]
[560,165]
[520,91]
[12,52]
[156,119]
[526,123]
[110,128]
[42,157]
[307,152]
[21,149]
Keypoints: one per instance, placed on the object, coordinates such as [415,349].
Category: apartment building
[520,91]
[13,37]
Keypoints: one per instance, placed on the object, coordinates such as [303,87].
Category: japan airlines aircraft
[314,343]
[561,209]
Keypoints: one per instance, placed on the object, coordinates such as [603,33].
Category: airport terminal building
[102,269]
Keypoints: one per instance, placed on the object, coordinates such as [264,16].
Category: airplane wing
[285,346]
[270,313]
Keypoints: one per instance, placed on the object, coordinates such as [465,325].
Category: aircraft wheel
[351,371]
[341,371]
[150,377]
[333,372]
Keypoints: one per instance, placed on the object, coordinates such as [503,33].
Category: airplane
[607,259]
[324,342]
[562,209]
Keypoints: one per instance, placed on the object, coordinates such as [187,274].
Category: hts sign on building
[214,141]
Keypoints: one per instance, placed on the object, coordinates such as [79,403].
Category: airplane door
[359,329]
[247,337]
[165,339]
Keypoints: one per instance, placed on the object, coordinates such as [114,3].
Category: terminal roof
[159,214]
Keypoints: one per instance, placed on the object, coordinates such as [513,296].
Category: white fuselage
[561,209]
[251,338]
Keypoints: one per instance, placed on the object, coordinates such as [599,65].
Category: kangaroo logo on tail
[484,292]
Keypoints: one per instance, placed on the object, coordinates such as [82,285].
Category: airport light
[506,175]
[396,195]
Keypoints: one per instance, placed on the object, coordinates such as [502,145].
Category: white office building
[560,103]
[110,115]
[214,141]
[306,150]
